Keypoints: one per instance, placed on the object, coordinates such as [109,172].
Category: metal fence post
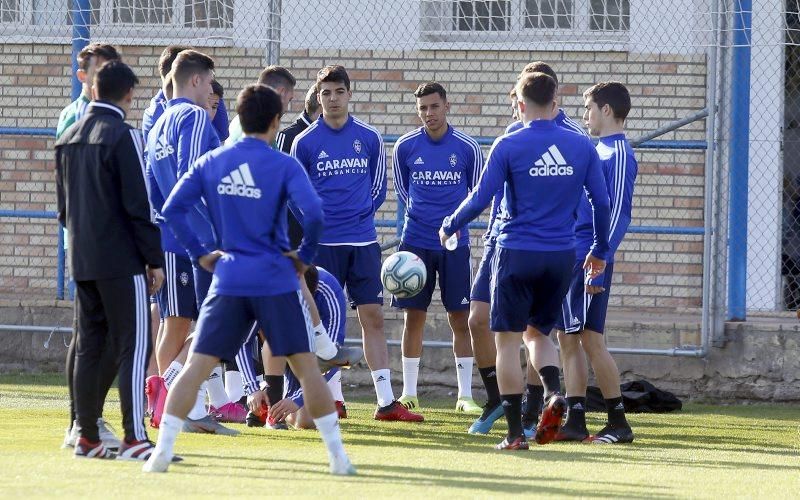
[739,162]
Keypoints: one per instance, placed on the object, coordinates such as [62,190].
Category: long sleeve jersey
[620,169]
[347,167]
[159,103]
[246,186]
[101,197]
[433,178]
[543,170]
[179,137]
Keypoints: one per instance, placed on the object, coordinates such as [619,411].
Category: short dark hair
[429,88]
[104,50]
[311,104]
[114,80]
[539,67]
[217,89]
[312,278]
[257,106]
[615,94]
[189,63]
[538,88]
[276,77]
[168,56]
[333,73]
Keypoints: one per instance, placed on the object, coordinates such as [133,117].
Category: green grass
[703,451]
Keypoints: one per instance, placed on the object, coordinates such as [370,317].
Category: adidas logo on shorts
[239,183]
[552,163]
[322,155]
[464,301]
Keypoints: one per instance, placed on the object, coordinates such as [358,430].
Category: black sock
[550,380]
[512,406]
[489,377]
[274,388]
[616,413]
[576,413]
[534,395]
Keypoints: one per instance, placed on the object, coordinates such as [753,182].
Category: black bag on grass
[638,396]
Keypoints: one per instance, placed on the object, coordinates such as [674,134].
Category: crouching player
[246,187]
[332,305]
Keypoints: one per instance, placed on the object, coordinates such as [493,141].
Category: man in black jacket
[116,259]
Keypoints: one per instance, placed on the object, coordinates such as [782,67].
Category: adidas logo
[464,301]
[163,149]
[620,406]
[460,366]
[322,155]
[552,163]
[419,161]
[380,294]
[491,374]
[577,406]
[213,376]
[574,321]
[239,183]
[506,404]
[380,378]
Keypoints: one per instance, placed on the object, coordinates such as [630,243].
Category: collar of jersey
[541,124]
[105,107]
[251,141]
[609,139]
[336,130]
[83,98]
[179,100]
[438,141]
[305,119]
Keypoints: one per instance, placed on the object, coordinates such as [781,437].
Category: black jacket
[284,142]
[102,198]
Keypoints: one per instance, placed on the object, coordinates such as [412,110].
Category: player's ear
[521,107]
[446,106]
[81,75]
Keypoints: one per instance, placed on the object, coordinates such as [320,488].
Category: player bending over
[435,167]
[584,310]
[246,186]
[545,170]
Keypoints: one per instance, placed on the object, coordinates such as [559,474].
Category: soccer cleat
[158,462]
[156,390]
[233,413]
[468,405]
[518,444]
[341,466]
[277,426]
[207,425]
[136,450]
[397,412]
[613,435]
[487,419]
[87,449]
[552,415]
[341,409]
[410,402]
[71,436]
[107,435]
[345,357]
[570,434]
[254,420]
[529,426]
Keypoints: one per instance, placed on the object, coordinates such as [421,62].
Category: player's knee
[477,323]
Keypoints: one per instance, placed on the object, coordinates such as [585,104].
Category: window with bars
[9,11]
[492,15]
[609,15]
[209,14]
[548,14]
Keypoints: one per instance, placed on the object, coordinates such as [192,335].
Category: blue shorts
[481,287]
[529,288]
[455,274]
[225,324]
[177,296]
[358,270]
[581,311]
[202,282]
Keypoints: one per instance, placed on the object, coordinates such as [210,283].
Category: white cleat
[71,436]
[341,466]
[158,462]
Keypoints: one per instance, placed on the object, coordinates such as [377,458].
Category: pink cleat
[156,390]
[233,413]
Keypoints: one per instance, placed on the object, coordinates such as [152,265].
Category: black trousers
[115,308]
[108,370]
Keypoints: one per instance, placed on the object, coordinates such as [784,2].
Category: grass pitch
[703,451]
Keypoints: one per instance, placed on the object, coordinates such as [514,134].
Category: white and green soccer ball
[403,274]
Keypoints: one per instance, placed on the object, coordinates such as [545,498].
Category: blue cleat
[487,419]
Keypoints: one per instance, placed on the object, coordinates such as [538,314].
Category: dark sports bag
[638,396]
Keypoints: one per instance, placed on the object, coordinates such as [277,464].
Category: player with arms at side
[435,167]
[246,187]
[583,316]
[544,170]
[346,161]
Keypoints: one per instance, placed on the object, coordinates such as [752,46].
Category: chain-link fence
[681,61]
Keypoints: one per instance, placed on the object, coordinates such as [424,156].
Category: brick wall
[659,272]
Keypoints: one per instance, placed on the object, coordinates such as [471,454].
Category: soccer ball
[403,274]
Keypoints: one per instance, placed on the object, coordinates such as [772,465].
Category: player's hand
[155,279]
[443,237]
[256,400]
[283,408]
[594,289]
[299,265]
[209,260]
[593,266]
